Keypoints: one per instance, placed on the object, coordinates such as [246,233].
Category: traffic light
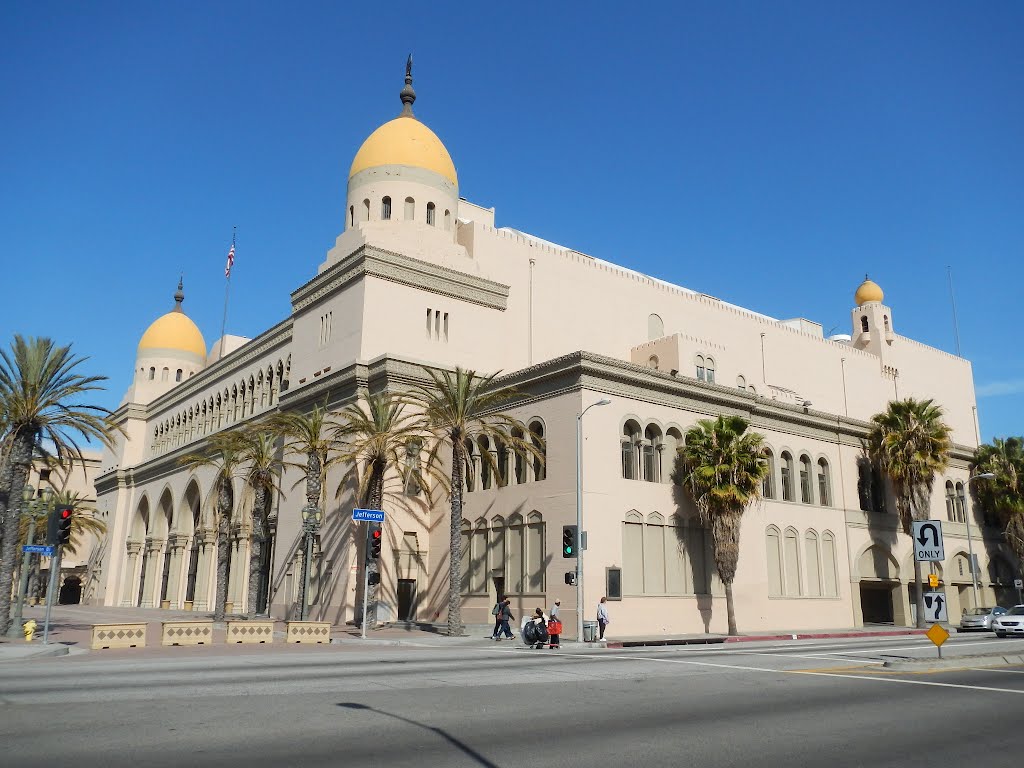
[52,528]
[570,541]
[375,541]
[64,515]
[373,579]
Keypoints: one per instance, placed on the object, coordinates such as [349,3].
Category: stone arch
[655,327]
[141,519]
[876,563]
[163,520]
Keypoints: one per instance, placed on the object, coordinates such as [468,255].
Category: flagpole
[227,289]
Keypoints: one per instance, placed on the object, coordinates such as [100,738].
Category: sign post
[366,516]
[1019,584]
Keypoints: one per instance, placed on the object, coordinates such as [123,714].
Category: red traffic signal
[64,517]
[375,541]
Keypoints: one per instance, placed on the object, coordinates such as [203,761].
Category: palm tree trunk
[730,611]
[256,549]
[20,462]
[374,500]
[455,558]
[920,594]
[223,551]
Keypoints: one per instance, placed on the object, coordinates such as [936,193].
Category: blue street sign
[367,515]
[38,549]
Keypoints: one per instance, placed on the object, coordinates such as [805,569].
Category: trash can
[589,631]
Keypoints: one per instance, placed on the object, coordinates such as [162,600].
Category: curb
[755,638]
[21,652]
[957,662]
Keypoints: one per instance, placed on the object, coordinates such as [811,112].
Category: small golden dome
[173,332]
[869,291]
[405,141]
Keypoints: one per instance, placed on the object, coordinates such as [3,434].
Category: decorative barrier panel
[186,633]
[118,636]
[250,632]
[308,632]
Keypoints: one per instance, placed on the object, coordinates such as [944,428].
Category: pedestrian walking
[496,613]
[506,617]
[555,625]
[602,618]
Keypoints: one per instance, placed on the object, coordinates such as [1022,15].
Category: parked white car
[1010,623]
[980,618]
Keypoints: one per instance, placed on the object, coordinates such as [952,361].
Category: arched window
[410,209]
[711,370]
[824,483]
[471,465]
[655,327]
[673,441]
[539,462]
[466,554]
[828,565]
[791,555]
[485,463]
[864,323]
[431,208]
[885,320]
[652,362]
[177,375]
[950,502]
[152,374]
[701,375]
[630,457]
[741,382]
[751,390]
[502,454]
[519,462]
[961,504]
[652,454]
[447,221]
[633,554]
[813,560]
[768,483]
[366,210]
[773,547]
[805,480]
[351,215]
[165,374]
[385,208]
[787,476]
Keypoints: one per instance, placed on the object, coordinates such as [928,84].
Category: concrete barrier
[186,633]
[125,635]
[308,632]
[250,632]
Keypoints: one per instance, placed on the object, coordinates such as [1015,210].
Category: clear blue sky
[766,153]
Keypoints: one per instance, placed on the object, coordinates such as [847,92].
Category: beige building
[421,276]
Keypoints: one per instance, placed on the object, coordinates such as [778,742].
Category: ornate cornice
[368,260]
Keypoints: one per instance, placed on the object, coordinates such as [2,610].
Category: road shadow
[465,748]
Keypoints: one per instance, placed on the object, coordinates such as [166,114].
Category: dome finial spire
[408,95]
[179,296]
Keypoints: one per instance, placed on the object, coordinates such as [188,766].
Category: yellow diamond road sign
[938,634]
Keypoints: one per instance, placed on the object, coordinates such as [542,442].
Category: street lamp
[28,507]
[312,516]
[970,541]
[579,517]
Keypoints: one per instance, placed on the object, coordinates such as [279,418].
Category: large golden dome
[405,141]
[173,332]
[869,291]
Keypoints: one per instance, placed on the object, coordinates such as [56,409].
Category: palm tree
[224,456]
[722,466]
[911,443]
[308,435]
[259,453]
[375,440]
[1002,497]
[457,405]
[40,397]
[84,522]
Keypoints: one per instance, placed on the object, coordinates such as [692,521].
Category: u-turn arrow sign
[928,546]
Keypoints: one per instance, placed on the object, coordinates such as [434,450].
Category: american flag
[231,261]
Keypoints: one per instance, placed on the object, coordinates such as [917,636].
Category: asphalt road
[783,704]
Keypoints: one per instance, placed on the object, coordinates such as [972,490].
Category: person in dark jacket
[506,617]
[496,613]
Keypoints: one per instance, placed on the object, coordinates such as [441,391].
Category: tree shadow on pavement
[439,731]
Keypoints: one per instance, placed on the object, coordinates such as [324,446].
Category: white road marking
[992,669]
[926,644]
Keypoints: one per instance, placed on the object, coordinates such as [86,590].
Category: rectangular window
[430,313]
[633,558]
[787,486]
[446,326]
[805,486]
[613,583]
[628,469]
[648,451]
[823,490]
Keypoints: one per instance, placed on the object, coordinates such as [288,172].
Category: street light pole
[579,518]
[970,540]
[14,630]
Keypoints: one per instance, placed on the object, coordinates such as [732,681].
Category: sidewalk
[70,631]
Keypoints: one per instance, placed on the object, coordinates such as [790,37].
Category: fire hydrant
[29,628]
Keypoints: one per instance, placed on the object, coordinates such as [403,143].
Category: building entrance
[876,602]
[407,599]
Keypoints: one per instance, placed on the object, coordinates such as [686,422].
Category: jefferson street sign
[38,549]
[367,515]
[928,545]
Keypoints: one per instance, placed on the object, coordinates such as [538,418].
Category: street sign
[367,515]
[938,634]
[38,549]
[928,545]
[935,606]
[1018,583]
